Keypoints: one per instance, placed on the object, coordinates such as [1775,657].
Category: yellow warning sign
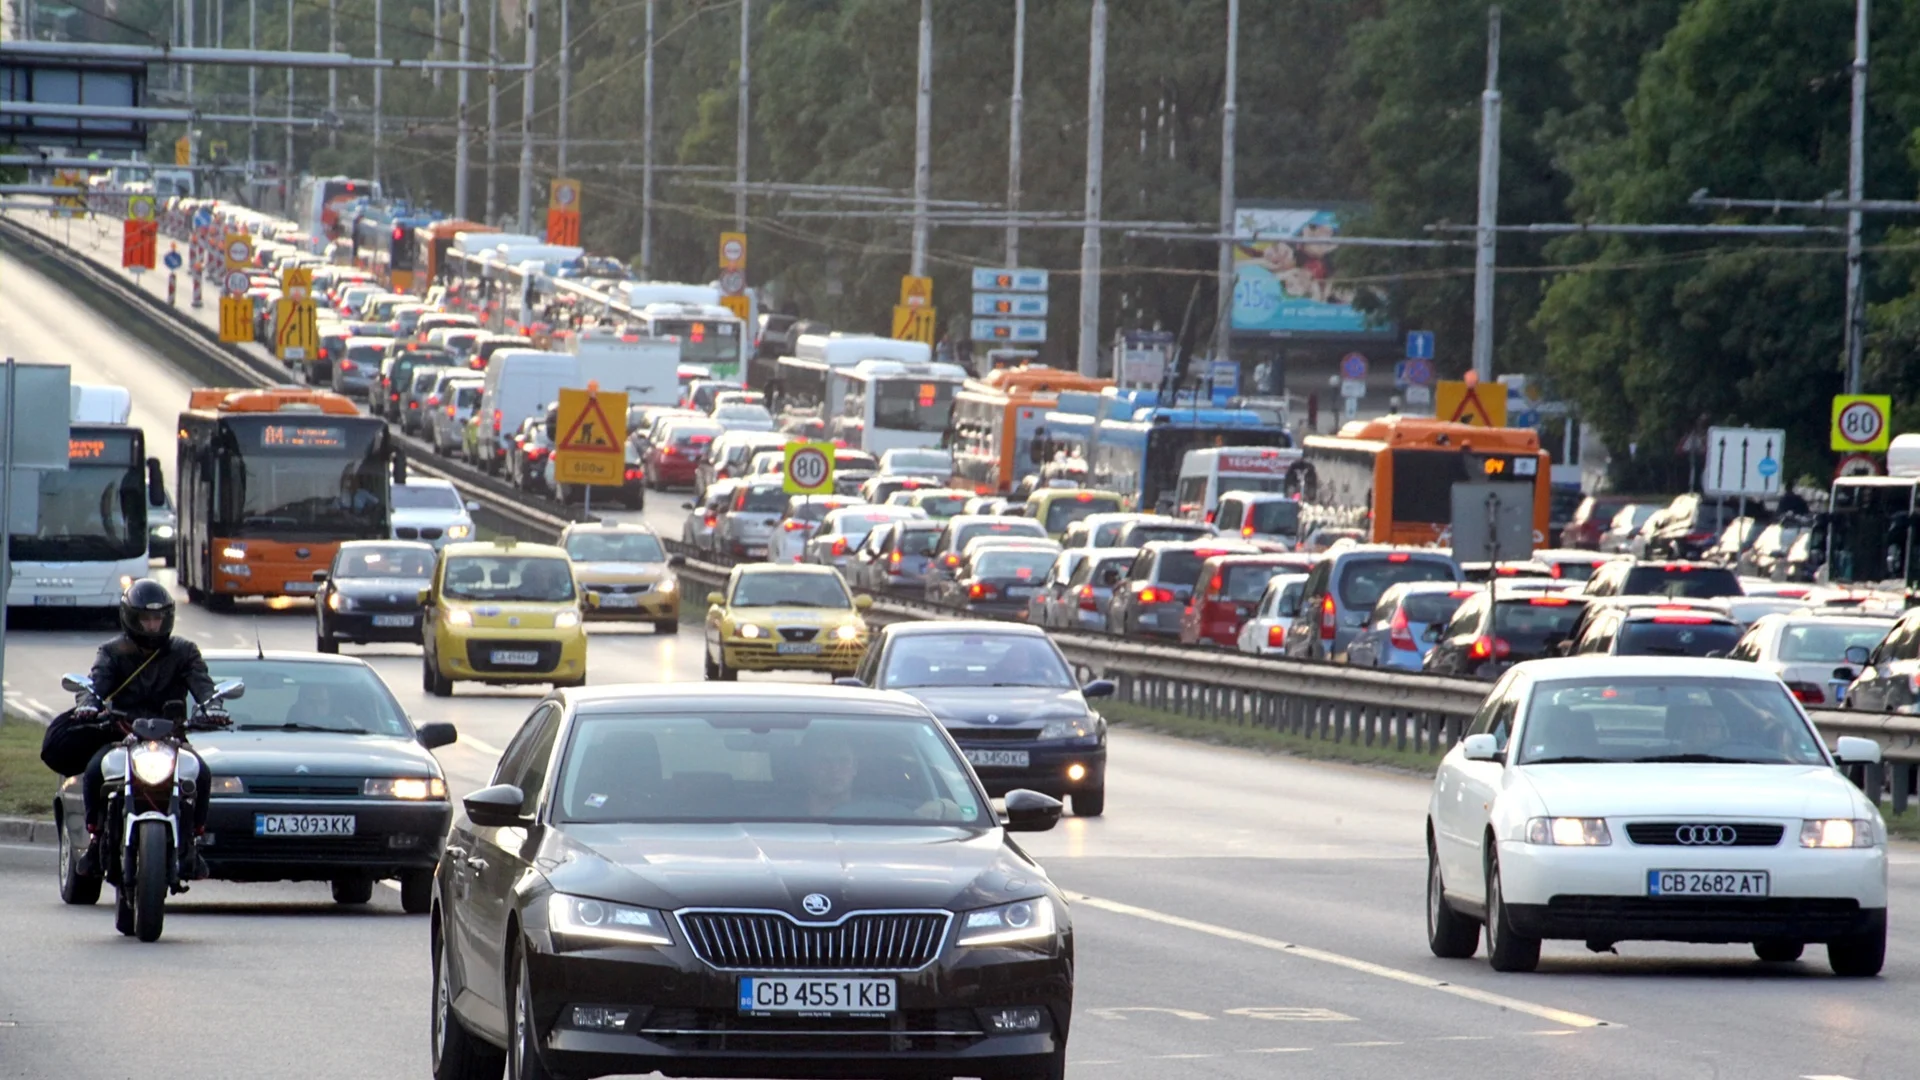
[913,324]
[591,447]
[236,319]
[916,291]
[741,306]
[296,329]
[238,250]
[297,282]
[1480,405]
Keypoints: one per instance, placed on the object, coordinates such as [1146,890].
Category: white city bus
[895,405]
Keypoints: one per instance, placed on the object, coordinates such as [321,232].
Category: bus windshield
[94,511]
[910,404]
[318,479]
[1867,534]
[703,341]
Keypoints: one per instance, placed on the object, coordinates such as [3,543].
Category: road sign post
[1009,306]
[296,329]
[808,469]
[591,449]
[1861,423]
[563,213]
[913,324]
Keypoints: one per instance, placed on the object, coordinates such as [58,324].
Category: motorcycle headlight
[153,764]
[1024,920]
[405,787]
[566,620]
[583,917]
[1080,727]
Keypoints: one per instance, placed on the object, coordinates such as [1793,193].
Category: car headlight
[459,532]
[667,585]
[228,785]
[581,917]
[849,632]
[749,631]
[339,603]
[566,620]
[459,617]
[153,764]
[414,788]
[1835,833]
[1024,920]
[163,532]
[1569,831]
[1080,727]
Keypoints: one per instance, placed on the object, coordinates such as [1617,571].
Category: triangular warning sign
[1458,403]
[590,433]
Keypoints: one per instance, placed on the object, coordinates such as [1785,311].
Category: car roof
[229,656]
[742,697]
[923,627]
[1821,618]
[958,520]
[1597,666]
[429,482]
[1111,552]
[757,569]
[356,544]
[494,547]
[608,525]
[1234,546]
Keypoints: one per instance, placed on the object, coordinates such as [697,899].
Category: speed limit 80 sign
[1862,422]
[808,469]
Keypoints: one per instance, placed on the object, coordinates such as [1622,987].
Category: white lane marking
[1375,1043]
[1180,1057]
[1365,967]
[1279,1050]
[1463,1038]
[479,745]
[1824,1076]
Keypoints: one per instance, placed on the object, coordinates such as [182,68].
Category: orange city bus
[1394,476]
[431,244]
[270,483]
[994,419]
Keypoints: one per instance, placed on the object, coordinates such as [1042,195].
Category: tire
[219,604]
[725,673]
[352,890]
[668,627]
[1778,952]
[431,680]
[326,644]
[709,669]
[150,880]
[1506,950]
[416,892]
[1091,802]
[74,889]
[457,1054]
[1450,935]
[1862,955]
[523,1040]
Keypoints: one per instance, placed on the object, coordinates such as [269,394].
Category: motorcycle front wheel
[150,880]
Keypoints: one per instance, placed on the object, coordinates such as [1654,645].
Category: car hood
[786,616]
[430,517]
[773,865]
[1001,707]
[285,753]
[618,573]
[495,614]
[1661,790]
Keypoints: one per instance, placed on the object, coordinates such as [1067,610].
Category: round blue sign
[1353,366]
[1769,467]
[202,218]
[172,260]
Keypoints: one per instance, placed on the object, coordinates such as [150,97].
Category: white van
[519,383]
[1204,474]
[647,369]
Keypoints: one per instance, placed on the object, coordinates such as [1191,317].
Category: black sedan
[371,593]
[321,778]
[998,580]
[1007,696]
[771,880]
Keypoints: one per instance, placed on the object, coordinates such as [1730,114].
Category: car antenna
[259,649]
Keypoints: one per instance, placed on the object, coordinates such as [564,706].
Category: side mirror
[426,596]
[320,576]
[74,684]
[1482,747]
[1857,655]
[438,734]
[862,602]
[848,680]
[686,506]
[676,561]
[1030,811]
[496,807]
[231,690]
[715,599]
[1854,750]
[593,600]
[1098,688]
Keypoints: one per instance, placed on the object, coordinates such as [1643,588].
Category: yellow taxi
[503,612]
[627,573]
[775,617]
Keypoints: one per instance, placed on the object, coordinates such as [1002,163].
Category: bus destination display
[303,437]
[101,448]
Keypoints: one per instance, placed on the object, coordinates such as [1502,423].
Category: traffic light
[402,249]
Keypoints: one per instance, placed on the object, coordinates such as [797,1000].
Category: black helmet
[146,597]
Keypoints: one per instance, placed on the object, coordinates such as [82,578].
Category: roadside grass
[1904,827]
[1222,733]
[26,786]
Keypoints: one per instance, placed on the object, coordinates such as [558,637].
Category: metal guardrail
[1312,699]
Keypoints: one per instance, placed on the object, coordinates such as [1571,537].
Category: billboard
[1283,279]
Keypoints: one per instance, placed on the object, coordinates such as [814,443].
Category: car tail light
[1486,648]
[496,421]
[1246,530]
[1399,634]
[710,519]
[450,412]
[433,401]
[1329,620]
[839,547]
[348,365]
[1399,556]
[1276,636]
[1549,601]
[413,404]
[635,475]
[668,451]
[1086,598]
[1691,620]
[980,590]
[1808,693]
[1155,595]
[952,560]
[395,396]
[793,525]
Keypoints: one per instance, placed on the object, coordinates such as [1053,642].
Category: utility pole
[439,21]
[1014,111]
[922,140]
[527,86]
[1856,191]
[333,76]
[253,95]
[1089,360]
[1489,206]
[566,86]
[463,139]
[740,127]
[493,108]
[646,161]
[1229,113]
[379,86]
[188,68]
[286,174]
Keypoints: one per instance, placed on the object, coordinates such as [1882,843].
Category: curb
[27,831]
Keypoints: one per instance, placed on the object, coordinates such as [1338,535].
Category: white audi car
[1606,799]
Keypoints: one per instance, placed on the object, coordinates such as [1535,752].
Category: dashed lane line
[1365,967]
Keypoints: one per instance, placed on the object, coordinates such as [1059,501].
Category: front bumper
[618,602]
[358,627]
[1048,769]
[390,836]
[467,656]
[684,1017]
[837,658]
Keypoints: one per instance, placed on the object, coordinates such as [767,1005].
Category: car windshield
[1815,643]
[1018,565]
[917,541]
[1275,518]
[1363,580]
[974,659]
[919,460]
[397,561]
[1141,535]
[1677,635]
[425,497]
[943,506]
[761,499]
[790,590]
[1680,579]
[1666,719]
[591,547]
[1065,510]
[1574,569]
[1178,567]
[1245,583]
[538,579]
[857,524]
[765,766]
[1433,607]
[809,509]
[1530,624]
[292,695]
[1008,527]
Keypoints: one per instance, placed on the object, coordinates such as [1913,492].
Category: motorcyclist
[137,674]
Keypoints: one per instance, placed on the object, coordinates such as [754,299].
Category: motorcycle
[150,787]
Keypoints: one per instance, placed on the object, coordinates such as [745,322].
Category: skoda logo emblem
[815,904]
[993,718]
[301,769]
[1698,835]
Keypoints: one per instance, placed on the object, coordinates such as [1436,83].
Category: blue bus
[1140,458]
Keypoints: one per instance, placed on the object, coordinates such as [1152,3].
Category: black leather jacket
[172,673]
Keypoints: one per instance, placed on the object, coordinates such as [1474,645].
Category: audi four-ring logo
[1706,834]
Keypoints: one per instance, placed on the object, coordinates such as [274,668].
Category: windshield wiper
[1698,759]
[1572,759]
[295,726]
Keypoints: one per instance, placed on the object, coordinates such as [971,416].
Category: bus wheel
[218,604]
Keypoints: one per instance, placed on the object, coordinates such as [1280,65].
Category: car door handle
[477,864]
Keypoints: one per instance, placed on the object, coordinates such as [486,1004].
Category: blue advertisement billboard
[1284,281]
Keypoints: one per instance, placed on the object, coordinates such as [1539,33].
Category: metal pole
[188,72]
[527,86]
[1089,360]
[286,175]
[922,140]
[740,126]
[380,85]
[439,20]
[1014,112]
[333,77]
[253,95]
[463,141]
[1856,191]
[566,90]
[493,108]
[1489,205]
[1223,315]
[7,427]
[646,161]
